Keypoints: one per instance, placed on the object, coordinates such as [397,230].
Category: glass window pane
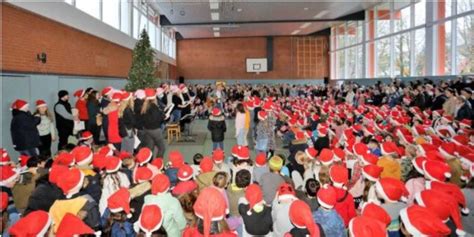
[383,19]
[125,17]
[359,35]
[465,5]
[158,38]
[420,45]
[465,45]
[444,48]
[359,59]
[90,7]
[151,32]
[341,36]
[420,12]
[136,23]
[351,33]
[340,64]
[401,15]
[143,23]
[383,57]
[110,12]
[332,45]
[351,62]
[402,55]
[68,1]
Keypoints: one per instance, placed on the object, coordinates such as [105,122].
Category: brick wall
[224,58]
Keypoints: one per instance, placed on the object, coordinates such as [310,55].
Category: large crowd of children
[394,159]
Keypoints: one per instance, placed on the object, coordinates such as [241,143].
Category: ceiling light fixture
[215,16]
[305,25]
[321,14]
[216,28]
[213,4]
[239,9]
[306,8]
[217,34]
[295,32]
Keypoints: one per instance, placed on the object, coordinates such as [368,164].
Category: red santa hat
[311,152]
[86,135]
[210,206]
[40,103]
[126,95]
[360,149]
[158,163]
[362,226]
[64,158]
[326,156]
[4,157]
[327,196]
[254,196]
[452,190]
[99,161]
[206,165]
[339,175]
[420,221]
[465,123]
[261,159]
[120,201]
[8,174]
[143,156]
[160,184]
[216,112]
[79,93]
[150,93]
[339,154]
[389,148]
[19,104]
[376,212]
[185,173]
[302,217]
[117,97]
[106,150]
[442,205]
[448,149]
[391,189]
[243,153]
[299,135]
[369,159]
[176,159]
[3,201]
[418,164]
[142,174]
[71,182]
[107,91]
[71,225]
[151,219]
[218,156]
[448,118]
[82,155]
[436,170]
[113,164]
[262,115]
[372,172]
[36,223]
[322,131]
[460,140]
[23,159]
[285,192]
[55,172]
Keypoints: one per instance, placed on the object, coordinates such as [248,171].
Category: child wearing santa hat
[46,128]
[256,215]
[330,221]
[217,127]
[112,180]
[173,215]
[281,203]
[302,219]
[9,177]
[115,220]
[391,192]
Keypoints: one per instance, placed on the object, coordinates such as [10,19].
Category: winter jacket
[92,109]
[281,217]
[465,112]
[205,179]
[23,189]
[345,205]
[153,118]
[43,196]
[256,223]
[438,102]
[118,229]
[64,125]
[174,221]
[217,127]
[113,128]
[23,130]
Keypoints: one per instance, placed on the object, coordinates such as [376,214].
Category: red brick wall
[224,58]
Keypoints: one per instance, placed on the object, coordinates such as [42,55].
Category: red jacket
[81,106]
[345,206]
[113,128]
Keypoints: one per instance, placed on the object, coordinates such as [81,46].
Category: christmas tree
[142,72]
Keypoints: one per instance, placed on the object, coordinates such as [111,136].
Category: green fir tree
[142,72]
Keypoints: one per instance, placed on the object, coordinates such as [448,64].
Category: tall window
[465,44]
[420,12]
[110,12]
[419,54]
[383,19]
[125,17]
[401,15]
[402,55]
[383,57]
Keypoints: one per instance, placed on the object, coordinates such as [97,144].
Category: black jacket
[465,112]
[217,127]
[126,122]
[438,102]
[23,130]
[44,195]
[64,126]
[153,118]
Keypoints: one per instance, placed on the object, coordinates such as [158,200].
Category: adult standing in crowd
[93,110]
[107,93]
[112,112]
[81,105]
[152,118]
[242,125]
[25,136]
[64,118]
[46,128]
[127,122]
